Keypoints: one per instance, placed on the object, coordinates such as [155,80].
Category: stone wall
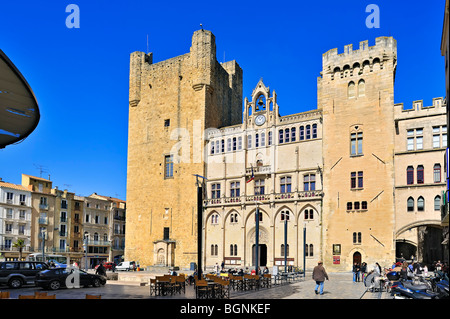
[171,104]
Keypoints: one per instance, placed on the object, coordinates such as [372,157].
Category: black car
[18,273]
[63,277]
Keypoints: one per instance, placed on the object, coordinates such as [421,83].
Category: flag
[252,177]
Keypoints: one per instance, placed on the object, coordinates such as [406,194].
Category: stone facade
[420,141]
[445,51]
[185,118]
[285,155]
[171,104]
[357,87]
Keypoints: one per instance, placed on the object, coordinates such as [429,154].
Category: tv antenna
[41,169]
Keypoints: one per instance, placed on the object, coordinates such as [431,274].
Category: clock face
[260,120]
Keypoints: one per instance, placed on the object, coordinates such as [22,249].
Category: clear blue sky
[80,76]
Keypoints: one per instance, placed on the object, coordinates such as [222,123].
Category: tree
[20,243]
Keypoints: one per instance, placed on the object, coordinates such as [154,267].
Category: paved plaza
[340,286]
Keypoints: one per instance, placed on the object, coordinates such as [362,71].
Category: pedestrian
[223,265]
[397,267]
[377,277]
[113,267]
[363,270]
[100,270]
[319,275]
[217,269]
[438,266]
[358,270]
[404,271]
[425,270]
[355,271]
[411,267]
[445,267]
[377,269]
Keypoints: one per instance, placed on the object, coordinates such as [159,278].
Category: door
[262,255]
[357,258]
[27,269]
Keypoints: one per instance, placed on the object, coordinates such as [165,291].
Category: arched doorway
[405,249]
[262,254]
[263,248]
[357,258]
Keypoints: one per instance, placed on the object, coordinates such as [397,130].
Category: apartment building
[15,220]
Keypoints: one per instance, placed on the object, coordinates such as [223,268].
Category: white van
[126,266]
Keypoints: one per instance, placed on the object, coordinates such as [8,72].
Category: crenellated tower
[355,87]
[171,104]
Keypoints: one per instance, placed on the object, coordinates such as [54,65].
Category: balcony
[264,198]
[99,243]
[43,220]
[43,206]
[12,248]
[259,170]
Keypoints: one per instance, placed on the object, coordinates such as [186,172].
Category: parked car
[108,265]
[56,263]
[18,273]
[56,278]
[126,266]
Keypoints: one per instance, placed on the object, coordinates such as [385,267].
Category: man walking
[319,274]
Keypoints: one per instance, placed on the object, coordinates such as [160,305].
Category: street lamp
[43,246]
[304,250]
[199,224]
[285,240]
[85,252]
[257,237]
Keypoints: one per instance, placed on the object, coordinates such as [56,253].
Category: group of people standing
[359,271]
[221,269]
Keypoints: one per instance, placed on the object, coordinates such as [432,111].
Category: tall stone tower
[171,104]
[356,87]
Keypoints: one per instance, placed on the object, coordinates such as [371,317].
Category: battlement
[418,109]
[384,48]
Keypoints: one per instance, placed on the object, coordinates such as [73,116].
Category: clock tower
[261,111]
